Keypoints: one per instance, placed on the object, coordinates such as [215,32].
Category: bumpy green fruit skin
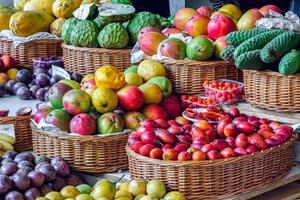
[250,60]
[237,37]
[85,34]
[67,29]
[279,46]
[139,21]
[113,36]
[256,42]
[127,2]
[290,63]
[227,53]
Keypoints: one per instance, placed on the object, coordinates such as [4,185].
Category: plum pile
[25,177]
[35,84]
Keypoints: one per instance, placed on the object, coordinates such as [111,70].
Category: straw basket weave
[218,179]
[83,153]
[87,60]
[272,91]
[24,53]
[188,76]
[22,131]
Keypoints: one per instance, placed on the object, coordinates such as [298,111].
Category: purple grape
[38,71]
[17,85]
[40,94]
[42,80]
[33,90]
[9,86]
[23,93]
[32,83]
[24,76]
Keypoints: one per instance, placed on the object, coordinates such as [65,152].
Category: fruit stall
[100,100]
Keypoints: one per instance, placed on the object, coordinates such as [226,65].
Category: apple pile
[234,135]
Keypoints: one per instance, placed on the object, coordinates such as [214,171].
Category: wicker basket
[22,131]
[219,179]
[24,53]
[87,60]
[92,154]
[272,91]
[188,76]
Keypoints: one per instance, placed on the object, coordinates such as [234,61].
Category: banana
[7,138]
[6,146]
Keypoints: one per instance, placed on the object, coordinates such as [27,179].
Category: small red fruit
[170,154]
[251,149]
[165,136]
[181,147]
[272,142]
[181,120]
[162,123]
[156,153]
[208,147]
[135,146]
[175,130]
[184,156]
[221,125]
[203,124]
[149,138]
[241,141]
[234,112]
[240,151]
[220,144]
[213,155]
[238,120]
[245,127]
[165,147]
[227,152]
[146,149]
[231,142]
[230,130]
[199,155]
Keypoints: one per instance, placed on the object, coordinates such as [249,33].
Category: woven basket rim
[15,117]
[80,138]
[221,161]
[272,73]
[64,45]
[195,62]
[35,41]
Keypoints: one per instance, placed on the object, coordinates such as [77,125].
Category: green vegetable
[67,29]
[279,46]
[237,37]
[227,53]
[290,63]
[250,61]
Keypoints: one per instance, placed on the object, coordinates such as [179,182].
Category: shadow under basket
[217,179]
[273,91]
[23,131]
[93,154]
[86,60]
[188,76]
[24,53]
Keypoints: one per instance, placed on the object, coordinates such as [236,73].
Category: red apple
[156,153]
[220,45]
[165,147]
[220,144]
[182,16]
[198,155]
[184,156]
[265,9]
[146,149]
[204,10]
[197,25]
[170,154]
[135,146]
[220,26]
[208,147]
[240,151]
[130,98]
[230,130]
[213,155]
[231,142]
[241,141]
[227,152]
[181,147]
[154,112]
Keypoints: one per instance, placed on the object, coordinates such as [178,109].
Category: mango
[5,14]
[44,5]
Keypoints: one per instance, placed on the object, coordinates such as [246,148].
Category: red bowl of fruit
[197,102]
[224,91]
[210,114]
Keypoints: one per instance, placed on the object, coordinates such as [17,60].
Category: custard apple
[85,34]
[67,29]
[113,36]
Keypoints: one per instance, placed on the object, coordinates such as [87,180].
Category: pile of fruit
[258,49]
[139,189]
[27,84]
[196,102]
[110,101]
[234,135]
[207,29]
[23,176]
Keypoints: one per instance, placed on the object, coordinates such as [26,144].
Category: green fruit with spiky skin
[164,21]
[67,28]
[101,22]
[85,34]
[127,2]
[113,36]
[139,21]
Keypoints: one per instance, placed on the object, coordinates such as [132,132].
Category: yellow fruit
[104,100]
[152,93]
[123,198]
[25,23]
[87,78]
[150,68]
[12,73]
[5,14]
[7,138]
[69,192]
[90,1]
[174,196]
[109,77]
[156,188]
[56,25]
[6,146]
[19,4]
[123,193]
[133,79]
[104,189]
[137,187]
[54,196]
[124,186]
[73,84]
[84,197]
[233,10]
[3,78]
[139,197]
[2,153]
[64,8]
[44,5]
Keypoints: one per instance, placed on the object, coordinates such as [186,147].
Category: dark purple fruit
[25,111]
[14,195]
[6,160]
[32,83]
[36,178]
[24,156]
[40,159]
[58,184]
[54,79]
[24,76]
[9,86]
[25,170]
[42,80]
[25,163]
[40,164]
[23,93]
[57,159]
[76,77]
[46,96]
[9,168]
[4,112]
[33,89]
[5,184]
[73,180]
[48,171]
[40,94]
[62,168]
[3,91]
[21,181]
[45,189]
[17,86]
[38,71]
[10,154]
[32,194]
